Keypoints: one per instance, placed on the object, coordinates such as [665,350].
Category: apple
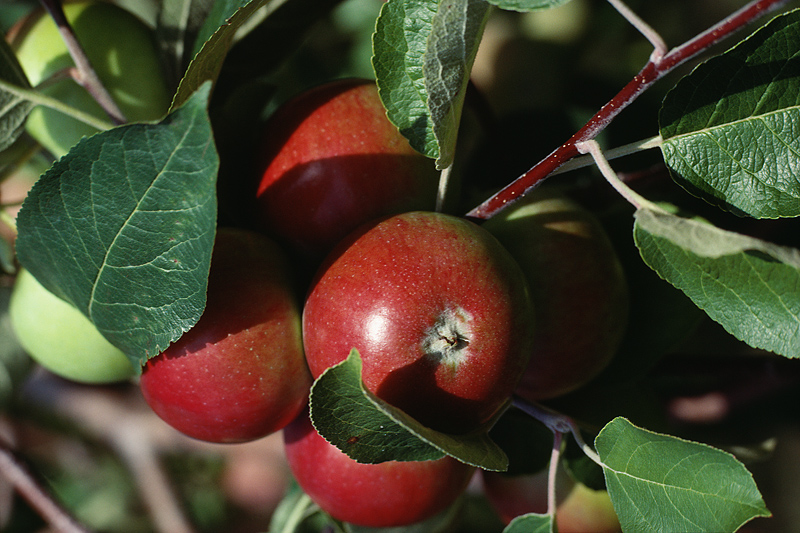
[61,338]
[579,508]
[239,374]
[578,288]
[121,49]
[332,161]
[438,310]
[389,494]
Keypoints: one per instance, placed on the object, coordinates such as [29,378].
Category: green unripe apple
[120,48]
[61,338]
[578,288]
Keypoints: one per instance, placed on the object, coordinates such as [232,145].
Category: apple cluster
[451,318]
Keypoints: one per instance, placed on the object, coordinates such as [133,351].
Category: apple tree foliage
[122,227]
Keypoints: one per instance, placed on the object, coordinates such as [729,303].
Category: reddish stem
[654,70]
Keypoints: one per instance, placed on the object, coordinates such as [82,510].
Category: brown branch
[85,75]
[655,69]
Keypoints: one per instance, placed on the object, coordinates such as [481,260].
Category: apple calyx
[447,341]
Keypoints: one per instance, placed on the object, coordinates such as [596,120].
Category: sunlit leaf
[661,483]
[423,55]
[731,128]
[527,5]
[123,225]
[749,286]
[531,523]
[369,430]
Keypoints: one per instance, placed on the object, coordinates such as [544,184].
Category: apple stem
[444,183]
[555,456]
[14,470]
[656,68]
[85,75]
[38,98]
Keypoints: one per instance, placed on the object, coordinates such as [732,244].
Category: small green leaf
[217,17]
[13,109]
[423,52]
[747,285]
[531,523]
[369,430]
[122,228]
[731,128]
[662,483]
[527,5]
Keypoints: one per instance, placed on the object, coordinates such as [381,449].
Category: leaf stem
[85,74]
[38,98]
[586,160]
[552,473]
[654,69]
[659,46]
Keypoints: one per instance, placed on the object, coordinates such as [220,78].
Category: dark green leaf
[371,431]
[218,16]
[531,523]
[122,228]
[527,5]
[747,285]
[179,22]
[731,128]
[423,54]
[13,109]
[662,483]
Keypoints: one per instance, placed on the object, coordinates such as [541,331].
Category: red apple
[578,289]
[438,310]
[239,373]
[579,508]
[332,161]
[389,494]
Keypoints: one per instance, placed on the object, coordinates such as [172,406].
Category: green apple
[60,338]
[123,53]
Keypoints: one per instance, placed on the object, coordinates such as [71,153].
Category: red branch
[654,70]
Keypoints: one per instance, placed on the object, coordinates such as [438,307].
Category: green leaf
[122,228]
[527,5]
[207,63]
[218,16]
[369,430]
[662,483]
[531,523]
[13,109]
[731,128]
[747,285]
[423,52]
[178,24]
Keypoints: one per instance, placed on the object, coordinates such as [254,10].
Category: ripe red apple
[580,509]
[333,161]
[438,310]
[239,373]
[389,494]
[578,289]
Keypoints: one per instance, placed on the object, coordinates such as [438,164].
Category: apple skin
[123,53]
[389,494]
[578,288]
[62,339]
[333,161]
[239,374]
[579,509]
[438,310]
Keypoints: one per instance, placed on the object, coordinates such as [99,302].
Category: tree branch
[655,69]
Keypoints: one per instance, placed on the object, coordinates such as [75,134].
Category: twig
[18,475]
[85,74]
[655,69]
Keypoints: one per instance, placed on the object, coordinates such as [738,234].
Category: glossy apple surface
[438,310]
[578,289]
[389,494]
[579,509]
[123,53]
[60,338]
[239,373]
[332,161]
